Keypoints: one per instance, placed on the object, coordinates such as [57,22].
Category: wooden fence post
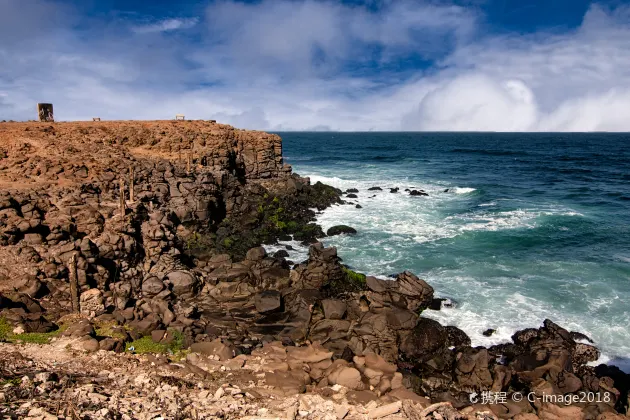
[122,197]
[131,184]
[74,284]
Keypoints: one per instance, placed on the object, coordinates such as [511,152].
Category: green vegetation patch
[109,329]
[35,338]
[6,334]
[355,278]
[147,345]
[5,329]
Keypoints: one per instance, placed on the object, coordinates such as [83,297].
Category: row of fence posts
[74,280]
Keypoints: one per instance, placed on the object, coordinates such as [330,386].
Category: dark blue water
[533,226]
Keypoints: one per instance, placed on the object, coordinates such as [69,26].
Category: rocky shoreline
[137,245]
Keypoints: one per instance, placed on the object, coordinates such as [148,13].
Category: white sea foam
[463,190]
[390,226]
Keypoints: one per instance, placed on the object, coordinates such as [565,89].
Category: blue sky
[554,65]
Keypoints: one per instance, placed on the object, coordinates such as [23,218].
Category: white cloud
[319,65]
[166,25]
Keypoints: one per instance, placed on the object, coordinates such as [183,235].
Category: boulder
[346,376]
[256,254]
[341,229]
[152,286]
[184,284]
[268,301]
[224,350]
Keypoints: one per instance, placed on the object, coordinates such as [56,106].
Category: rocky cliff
[145,237]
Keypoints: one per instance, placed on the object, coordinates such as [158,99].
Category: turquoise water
[533,226]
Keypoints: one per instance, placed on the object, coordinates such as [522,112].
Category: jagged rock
[334,308]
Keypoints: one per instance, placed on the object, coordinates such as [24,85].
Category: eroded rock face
[184,258]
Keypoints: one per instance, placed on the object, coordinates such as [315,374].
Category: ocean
[516,227]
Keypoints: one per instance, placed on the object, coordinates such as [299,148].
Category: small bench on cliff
[96,119]
[179,116]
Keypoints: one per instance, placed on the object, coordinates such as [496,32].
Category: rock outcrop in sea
[144,239]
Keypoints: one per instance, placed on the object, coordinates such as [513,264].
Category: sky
[310,65]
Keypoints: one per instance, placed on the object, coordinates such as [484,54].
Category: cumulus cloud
[477,103]
[295,65]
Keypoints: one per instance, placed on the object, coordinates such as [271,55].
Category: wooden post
[179,154]
[45,113]
[131,184]
[74,284]
[122,197]
[188,163]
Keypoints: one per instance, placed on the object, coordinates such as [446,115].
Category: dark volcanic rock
[394,190]
[352,190]
[375,189]
[419,193]
[341,229]
[489,332]
[436,304]
[457,337]
[426,339]
[352,196]
[281,253]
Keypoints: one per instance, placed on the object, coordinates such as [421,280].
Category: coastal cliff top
[36,154]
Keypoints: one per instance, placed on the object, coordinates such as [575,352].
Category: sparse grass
[106,329]
[13,382]
[351,282]
[5,329]
[6,334]
[147,345]
[35,338]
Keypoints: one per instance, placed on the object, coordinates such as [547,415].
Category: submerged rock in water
[281,254]
[352,190]
[352,196]
[394,190]
[341,229]
[375,189]
[420,193]
[489,332]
